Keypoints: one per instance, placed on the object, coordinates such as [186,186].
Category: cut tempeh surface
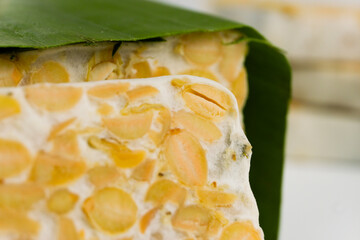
[208,55]
[156,168]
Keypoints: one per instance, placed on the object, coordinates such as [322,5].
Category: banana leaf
[38,24]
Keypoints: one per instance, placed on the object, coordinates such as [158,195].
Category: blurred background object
[321,190]
[322,39]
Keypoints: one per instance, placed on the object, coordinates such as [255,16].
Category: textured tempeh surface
[160,158]
[200,54]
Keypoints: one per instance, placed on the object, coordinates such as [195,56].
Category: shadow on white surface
[320,202]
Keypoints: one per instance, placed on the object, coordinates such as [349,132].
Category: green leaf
[265,113]
[49,23]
